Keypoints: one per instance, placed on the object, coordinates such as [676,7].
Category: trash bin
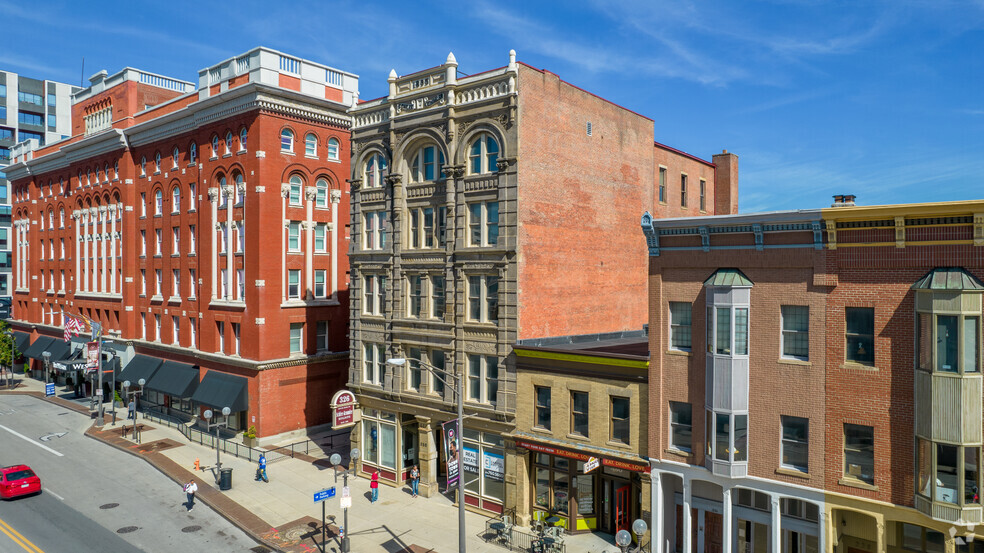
[225,479]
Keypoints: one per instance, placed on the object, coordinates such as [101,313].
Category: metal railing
[517,538]
[319,449]
[201,437]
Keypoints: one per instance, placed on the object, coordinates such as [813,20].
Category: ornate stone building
[485,210]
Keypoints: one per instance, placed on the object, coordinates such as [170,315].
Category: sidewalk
[282,514]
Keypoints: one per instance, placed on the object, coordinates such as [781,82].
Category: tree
[8,350]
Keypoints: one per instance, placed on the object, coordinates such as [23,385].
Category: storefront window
[387,449]
[561,492]
[584,490]
[924,459]
[946,473]
[543,487]
[971,491]
[370,438]
[721,447]
[379,438]
[484,465]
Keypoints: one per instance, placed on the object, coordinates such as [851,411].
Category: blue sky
[882,99]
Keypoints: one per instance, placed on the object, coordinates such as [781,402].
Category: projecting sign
[343,409]
[346,500]
[591,464]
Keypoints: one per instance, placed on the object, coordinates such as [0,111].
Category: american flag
[73,326]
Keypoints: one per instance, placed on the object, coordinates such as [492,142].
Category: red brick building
[203,225]
[815,379]
[486,209]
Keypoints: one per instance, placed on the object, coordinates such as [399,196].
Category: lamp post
[133,395]
[623,539]
[225,422]
[336,460]
[443,374]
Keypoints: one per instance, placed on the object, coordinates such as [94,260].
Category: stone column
[427,457]
[112,249]
[657,512]
[310,194]
[333,248]
[726,538]
[688,523]
[880,521]
[77,218]
[213,199]
[775,529]
[518,481]
[84,222]
[230,194]
[284,192]
[821,529]
[103,248]
[645,499]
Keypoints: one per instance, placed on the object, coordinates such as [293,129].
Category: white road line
[23,437]
[46,490]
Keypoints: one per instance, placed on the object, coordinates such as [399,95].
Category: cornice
[89,147]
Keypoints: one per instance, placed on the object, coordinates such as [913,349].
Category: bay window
[726,436]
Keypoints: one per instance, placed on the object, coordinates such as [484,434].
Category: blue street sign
[49,389]
[324,494]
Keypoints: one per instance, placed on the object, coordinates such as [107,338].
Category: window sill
[578,438]
[175,255]
[678,452]
[174,300]
[240,152]
[617,444]
[858,367]
[157,298]
[309,156]
[227,154]
[793,472]
[855,483]
[541,430]
[227,303]
[679,352]
[797,362]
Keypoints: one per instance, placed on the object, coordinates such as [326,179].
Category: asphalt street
[95,498]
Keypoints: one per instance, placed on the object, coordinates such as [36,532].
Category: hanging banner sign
[92,356]
[450,430]
[591,464]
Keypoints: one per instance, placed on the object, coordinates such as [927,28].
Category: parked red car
[18,480]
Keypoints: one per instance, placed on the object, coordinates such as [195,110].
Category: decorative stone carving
[502,164]
[213,195]
[310,193]
[394,179]
[354,184]
[284,190]
[228,190]
[336,196]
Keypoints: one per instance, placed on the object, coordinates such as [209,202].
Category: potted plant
[249,436]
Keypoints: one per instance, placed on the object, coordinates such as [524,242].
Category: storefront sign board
[343,409]
[580,456]
[591,464]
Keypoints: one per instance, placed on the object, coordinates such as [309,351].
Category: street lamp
[623,539]
[133,395]
[442,375]
[336,460]
[208,417]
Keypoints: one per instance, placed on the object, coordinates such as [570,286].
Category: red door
[622,514]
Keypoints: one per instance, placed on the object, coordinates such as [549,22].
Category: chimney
[843,200]
[725,183]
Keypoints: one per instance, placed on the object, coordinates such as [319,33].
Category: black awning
[175,379]
[74,361]
[218,390]
[22,340]
[141,366]
[41,345]
[113,347]
[59,349]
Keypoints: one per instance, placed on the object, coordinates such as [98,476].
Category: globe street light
[208,417]
[623,539]
[133,395]
[336,460]
[442,375]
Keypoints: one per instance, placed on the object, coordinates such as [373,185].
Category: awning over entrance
[22,340]
[141,366]
[41,345]
[220,390]
[72,362]
[59,349]
[175,379]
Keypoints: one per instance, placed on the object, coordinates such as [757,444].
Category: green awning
[41,345]
[949,278]
[22,340]
[141,366]
[175,379]
[728,277]
[218,390]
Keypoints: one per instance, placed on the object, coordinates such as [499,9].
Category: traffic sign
[324,494]
[346,500]
[49,389]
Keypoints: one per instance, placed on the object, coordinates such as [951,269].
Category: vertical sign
[92,356]
[451,450]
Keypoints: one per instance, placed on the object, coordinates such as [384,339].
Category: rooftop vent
[843,200]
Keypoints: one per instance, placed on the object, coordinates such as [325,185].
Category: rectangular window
[542,395]
[143,282]
[143,243]
[192,199]
[680,318]
[157,328]
[159,234]
[620,420]
[235,334]
[946,473]
[320,286]
[703,195]
[723,330]
[159,277]
[795,443]
[437,297]
[579,413]
[860,335]
[483,379]
[681,426]
[662,185]
[176,282]
[224,287]
[795,331]
[971,336]
[176,329]
[414,295]
[483,298]
[321,336]
[241,284]
[859,453]
[294,284]
[175,241]
[191,330]
[483,224]
[191,283]
[437,384]
[296,338]
[294,236]
[947,338]
[414,372]
[683,190]
[321,238]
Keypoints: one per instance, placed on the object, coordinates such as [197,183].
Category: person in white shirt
[190,488]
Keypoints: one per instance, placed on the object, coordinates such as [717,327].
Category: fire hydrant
[198,465]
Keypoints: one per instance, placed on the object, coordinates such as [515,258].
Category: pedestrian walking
[374,486]
[261,473]
[190,488]
[414,479]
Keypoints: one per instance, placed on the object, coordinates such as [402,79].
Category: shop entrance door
[712,532]
[622,508]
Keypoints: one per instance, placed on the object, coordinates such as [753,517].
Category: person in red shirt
[374,486]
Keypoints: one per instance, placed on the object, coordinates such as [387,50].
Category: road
[96,498]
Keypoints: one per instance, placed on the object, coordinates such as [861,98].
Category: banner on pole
[92,356]
[450,430]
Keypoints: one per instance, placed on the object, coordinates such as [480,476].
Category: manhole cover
[190,529]
[109,506]
[261,549]
[127,530]
[295,534]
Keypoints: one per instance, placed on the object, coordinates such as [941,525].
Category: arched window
[215,146]
[242,139]
[483,154]
[193,153]
[174,157]
[311,145]
[426,164]
[116,170]
[106,172]
[158,202]
[88,177]
[175,199]
[286,140]
[80,174]
[296,187]
[333,149]
[228,142]
[143,167]
[51,219]
[240,189]
[375,170]
[157,162]
[222,194]
[322,199]
[61,218]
